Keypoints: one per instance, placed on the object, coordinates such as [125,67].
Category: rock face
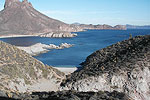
[123,67]
[19,72]
[20,18]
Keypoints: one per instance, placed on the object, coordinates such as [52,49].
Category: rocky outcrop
[20,18]
[123,67]
[120,27]
[19,72]
[69,95]
[58,34]
[39,48]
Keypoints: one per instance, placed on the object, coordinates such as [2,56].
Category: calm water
[85,43]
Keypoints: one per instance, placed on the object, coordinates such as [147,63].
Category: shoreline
[40,48]
[11,36]
[66,70]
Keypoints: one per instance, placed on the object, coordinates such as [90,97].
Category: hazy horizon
[112,12]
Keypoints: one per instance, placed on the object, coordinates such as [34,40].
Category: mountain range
[123,67]
[20,18]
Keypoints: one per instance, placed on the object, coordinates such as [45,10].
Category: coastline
[43,35]
[40,48]
[11,36]
[54,35]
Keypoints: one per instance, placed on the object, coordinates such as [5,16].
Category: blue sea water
[84,44]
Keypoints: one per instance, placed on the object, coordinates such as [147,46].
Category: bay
[85,43]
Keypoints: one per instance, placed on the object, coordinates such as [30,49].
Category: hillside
[20,18]
[123,67]
[19,72]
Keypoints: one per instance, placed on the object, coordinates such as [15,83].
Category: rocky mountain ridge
[123,67]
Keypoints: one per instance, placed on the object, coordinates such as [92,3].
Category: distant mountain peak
[9,3]
[16,3]
[20,18]
[26,2]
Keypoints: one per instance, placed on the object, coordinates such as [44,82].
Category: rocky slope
[19,72]
[123,67]
[20,18]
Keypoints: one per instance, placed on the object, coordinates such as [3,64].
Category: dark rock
[120,56]
[6,98]
[74,95]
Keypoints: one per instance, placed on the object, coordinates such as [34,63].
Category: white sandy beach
[67,70]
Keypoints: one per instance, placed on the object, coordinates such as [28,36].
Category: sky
[112,12]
